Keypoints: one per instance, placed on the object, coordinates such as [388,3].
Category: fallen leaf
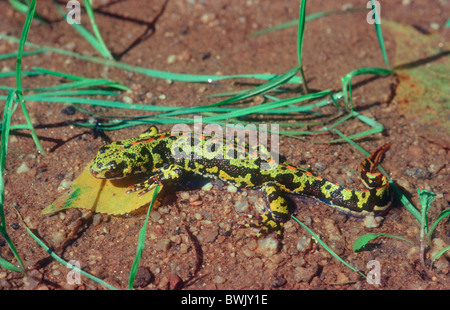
[100,195]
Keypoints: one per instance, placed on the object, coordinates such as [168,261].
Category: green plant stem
[327,247]
[141,242]
[3,150]
[23,39]
[301,30]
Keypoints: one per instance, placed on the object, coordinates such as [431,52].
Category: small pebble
[127,100]
[163,245]
[373,222]
[143,277]
[231,188]
[207,187]
[417,172]
[267,246]
[171,59]
[23,168]
[219,280]
[304,244]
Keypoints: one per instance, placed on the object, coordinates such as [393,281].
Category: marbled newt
[153,154]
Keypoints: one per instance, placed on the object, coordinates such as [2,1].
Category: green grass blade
[323,244]
[141,242]
[273,105]
[102,46]
[300,32]
[440,253]
[181,77]
[8,266]
[362,241]
[63,262]
[7,113]
[274,83]
[425,198]
[14,55]
[102,103]
[23,39]
[42,96]
[93,41]
[346,82]
[356,135]
[440,217]
[405,201]
[379,33]
[13,73]
[83,81]
[308,18]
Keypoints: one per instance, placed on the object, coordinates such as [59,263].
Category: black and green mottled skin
[153,153]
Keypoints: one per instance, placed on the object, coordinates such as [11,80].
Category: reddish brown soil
[194,240]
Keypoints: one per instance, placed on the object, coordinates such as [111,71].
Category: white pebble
[23,168]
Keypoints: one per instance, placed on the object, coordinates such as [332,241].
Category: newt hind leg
[276,214]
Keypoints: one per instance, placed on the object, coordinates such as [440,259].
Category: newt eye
[115,170]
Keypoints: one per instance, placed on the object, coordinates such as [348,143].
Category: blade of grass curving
[356,135]
[362,241]
[347,86]
[19,93]
[141,242]
[7,113]
[274,105]
[8,266]
[63,262]
[42,96]
[405,201]
[301,30]
[274,83]
[92,40]
[378,30]
[14,55]
[308,18]
[23,39]
[13,73]
[82,79]
[326,247]
[181,77]
[425,199]
[103,103]
[90,13]
[358,147]
[440,217]
[439,254]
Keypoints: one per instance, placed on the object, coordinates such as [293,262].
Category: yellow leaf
[99,195]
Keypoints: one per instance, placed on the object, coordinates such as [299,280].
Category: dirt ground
[194,240]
